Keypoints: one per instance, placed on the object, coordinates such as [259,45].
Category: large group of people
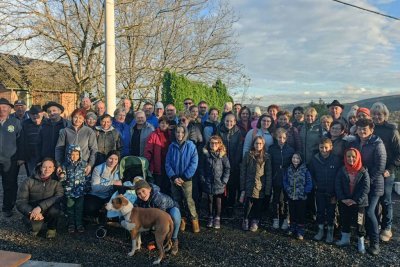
[334,169]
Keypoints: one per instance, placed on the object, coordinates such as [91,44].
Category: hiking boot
[195,226]
[285,224]
[254,226]
[80,228]
[210,222]
[374,249]
[320,234]
[386,235]
[182,227]
[175,245]
[51,233]
[217,223]
[71,229]
[275,224]
[245,225]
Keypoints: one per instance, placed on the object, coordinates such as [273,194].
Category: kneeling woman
[38,197]
[149,196]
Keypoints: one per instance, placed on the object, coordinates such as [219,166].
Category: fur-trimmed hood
[220,154]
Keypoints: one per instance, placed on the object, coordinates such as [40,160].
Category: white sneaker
[285,224]
[275,224]
[386,235]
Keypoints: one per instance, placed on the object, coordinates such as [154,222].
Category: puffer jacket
[214,170]
[75,182]
[182,159]
[293,137]
[195,135]
[30,139]
[297,182]
[125,132]
[310,135]
[34,192]
[256,178]
[209,129]
[361,188]
[281,157]
[233,142]
[108,140]
[373,155]
[391,139]
[157,200]
[323,172]
[156,150]
[144,135]
[48,137]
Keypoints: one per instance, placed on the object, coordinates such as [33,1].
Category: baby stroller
[129,167]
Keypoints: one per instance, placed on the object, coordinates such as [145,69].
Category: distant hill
[392,102]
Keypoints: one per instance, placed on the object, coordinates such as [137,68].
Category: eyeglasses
[214,143]
[188,103]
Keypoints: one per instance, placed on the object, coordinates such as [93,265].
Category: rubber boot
[344,241]
[195,226]
[361,245]
[175,245]
[329,235]
[320,233]
[182,227]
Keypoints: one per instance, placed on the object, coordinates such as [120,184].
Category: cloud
[289,47]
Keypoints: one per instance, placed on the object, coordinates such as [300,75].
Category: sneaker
[300,237]
[80,228]
[275,224]
[254,226]
[386,235]
[285,224]
[71,229]
[210,222]
[217,223]
[245,225]
[51,234]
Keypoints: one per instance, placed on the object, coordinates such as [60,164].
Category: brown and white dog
[138,220]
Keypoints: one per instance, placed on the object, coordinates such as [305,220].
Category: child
[75,184]
[323,169]
[352,188]
[297,184]
[281,155]
[214,172]
[255,182]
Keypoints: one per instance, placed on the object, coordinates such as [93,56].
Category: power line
[365,9]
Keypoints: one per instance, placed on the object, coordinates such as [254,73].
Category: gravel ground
[228,246]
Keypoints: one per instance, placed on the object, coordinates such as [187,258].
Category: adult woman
[91,120]
[78,134]
[244,122]
[104,177]
[210,125]
[124,130]
[37,198]
[310,134]
[265,128]
[298,117]
[180,165]
[292,134]
[155,152]
[390,136]
[108,139]
[255,116]
[273,111]
[326,121]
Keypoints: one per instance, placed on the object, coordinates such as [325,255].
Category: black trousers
[10,185]
[253,208]
[352,215]
[51,216]
[297,211]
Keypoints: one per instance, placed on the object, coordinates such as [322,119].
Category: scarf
[356,167]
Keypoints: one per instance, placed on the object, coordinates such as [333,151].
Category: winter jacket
[48,137]
[233,142]
[310,135]
[157,200]
[10,142]
[103,180]
[373,156]
[74,182]
[182,159]
[209,129]
[297,182]
[195,134]
[153,120]
[84,137]
[107,141]
[391,139]
[323,172]
[144,135]
[156,150]
[339,145]
[269,140]
[255,178]
[214,170]
[34,192]
[30,140]
[244,129]
[125,132]
[361,188]
[293,137]
[281,157]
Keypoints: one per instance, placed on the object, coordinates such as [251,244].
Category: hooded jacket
[297,182]
[373,156]
[323,172]
[75,182]
[310,135]
[391,139]
[157,200]
[156,150]
[10,142]
[233,142]
[182,159]
[361,188]
[281,158]
[214,170]
[102,181]
[108,140]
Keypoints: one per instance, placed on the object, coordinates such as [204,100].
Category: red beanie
[363,110]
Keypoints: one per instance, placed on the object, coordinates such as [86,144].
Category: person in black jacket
[373,156]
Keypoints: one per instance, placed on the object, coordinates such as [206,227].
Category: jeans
[183,195]
[372,222]
[386,202]
[176,218]
[351,215]
[325,209]
[10,184]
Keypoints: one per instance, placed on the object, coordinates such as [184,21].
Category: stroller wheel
[101,232]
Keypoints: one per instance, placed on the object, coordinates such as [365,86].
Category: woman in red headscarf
[352,188]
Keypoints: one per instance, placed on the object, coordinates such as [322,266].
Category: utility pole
[110,57]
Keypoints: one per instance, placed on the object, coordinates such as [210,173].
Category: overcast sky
[295,51]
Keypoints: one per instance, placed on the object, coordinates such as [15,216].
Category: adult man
[203,111]
[50,129]
[140,131]
[86,104]
[10,130]
[30,138]
[20,110]
[100,111]
[170,112]
[188,102]
[148,109]
[335,110]
[127,105]
[159,109]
